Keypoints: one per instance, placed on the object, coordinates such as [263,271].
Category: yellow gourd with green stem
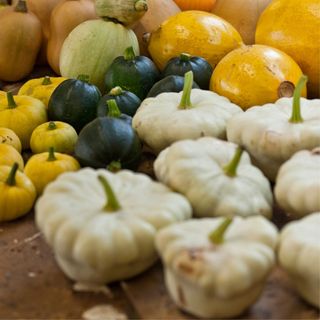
[9,155]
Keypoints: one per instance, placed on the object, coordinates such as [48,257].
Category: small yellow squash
[7,136]
[41,88]
[60,135]
[17,193]
[22,114]
[45,167]
[9,155]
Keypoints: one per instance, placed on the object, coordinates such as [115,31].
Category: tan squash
[67,15]
[20,35]
[158,11]
[242,14]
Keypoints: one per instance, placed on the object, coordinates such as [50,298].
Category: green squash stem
[21,6]
[141,5]
[116,91]
[112,204]
[114,166]
[185,57]
[185,102]
[296,109]
[11,180]
[46,81]
[52,125]
[113,109]
[217,236]
[129,54]
[231,168]
[11,103]
[83,77]
[51,156]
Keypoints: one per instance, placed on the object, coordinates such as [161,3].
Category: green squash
[109,142]
[169,84]
[136,74]
[91,47]
[201,69]
[127,102]
[75,102]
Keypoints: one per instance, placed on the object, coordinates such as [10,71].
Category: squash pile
[230,126]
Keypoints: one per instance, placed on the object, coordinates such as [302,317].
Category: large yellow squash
[255,75]
[195,32]
[293,26]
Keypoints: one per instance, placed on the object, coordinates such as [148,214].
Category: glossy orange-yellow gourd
[256,75]
[294,27]
[198,33]
[64,18]
[204,5]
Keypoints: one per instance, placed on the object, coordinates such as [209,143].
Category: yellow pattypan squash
[41,88]
[7,136]
[17,193]
[60,135]
[22,114]
[45,167]
[9,155]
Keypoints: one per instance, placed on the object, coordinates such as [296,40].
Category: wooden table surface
[33,287]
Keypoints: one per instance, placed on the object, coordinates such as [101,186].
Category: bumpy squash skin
[107,139]
[169,84]
[127,102]
[67,15]
[201,69]
[20,35]
[74,102]
[92,46]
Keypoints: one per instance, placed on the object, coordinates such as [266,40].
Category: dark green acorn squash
[75,102]
[169,84]
[127,102]
[136,74]
[109,142]
[201,69]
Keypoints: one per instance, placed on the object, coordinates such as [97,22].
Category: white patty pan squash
[101,225]
[299,255]
[217,268]
[216,177]
[274,132]
[190,114]
[297,188]
[91,47]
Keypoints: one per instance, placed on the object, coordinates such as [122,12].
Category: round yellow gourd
[293,26]
[9,155]
[45,167]
[7,136]
[17,193]
[195,32]
[255,75]
[60,135]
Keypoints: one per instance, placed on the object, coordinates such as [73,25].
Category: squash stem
[129,54]
[114,166]
[141,5]
[185,102]
[46,81]
[11,103]
[51,156]
[52,125]
[217,236]
[21,6]
[296,108]
[83,77]
[113,109]
[11,180]
[116,91]
[185,57]
[231,168]
[112,204]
